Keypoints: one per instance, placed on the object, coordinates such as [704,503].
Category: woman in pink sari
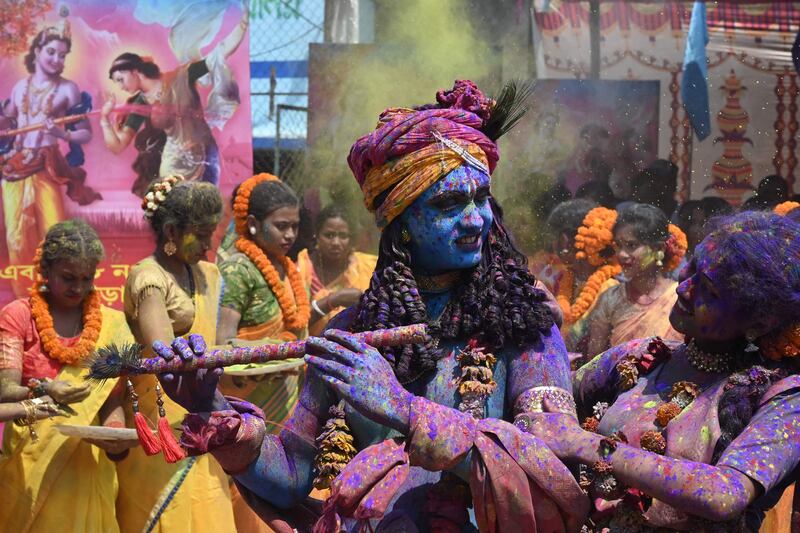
[648,248]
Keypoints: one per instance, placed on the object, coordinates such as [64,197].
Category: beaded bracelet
[36,387]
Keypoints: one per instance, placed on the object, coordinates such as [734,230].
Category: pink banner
[190,116]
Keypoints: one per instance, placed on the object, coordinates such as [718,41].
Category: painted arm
[715,493]
[228,324]
[283,472]
[83,129]
[117,139]
[545,364]
[599,334]
[152,321]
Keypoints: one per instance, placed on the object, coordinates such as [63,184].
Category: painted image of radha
[164,116]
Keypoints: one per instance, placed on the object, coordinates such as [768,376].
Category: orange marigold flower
[677,244]
[596,235]
[782,343]
[784,208]
[653,441]
[666,412]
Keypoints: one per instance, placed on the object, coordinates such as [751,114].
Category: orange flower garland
[677,244]
[784,208]
[784,343]
[593,237]
[51,344]
[295,315]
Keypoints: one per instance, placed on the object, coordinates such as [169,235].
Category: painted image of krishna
[33,164]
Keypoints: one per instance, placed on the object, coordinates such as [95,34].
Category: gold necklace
[708,362]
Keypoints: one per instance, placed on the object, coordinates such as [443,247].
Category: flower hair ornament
[157,194]
[785,208]
[676,247]
[593,242]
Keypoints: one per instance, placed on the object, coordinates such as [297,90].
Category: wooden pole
[594,39]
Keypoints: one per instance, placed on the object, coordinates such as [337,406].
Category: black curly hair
[498,303]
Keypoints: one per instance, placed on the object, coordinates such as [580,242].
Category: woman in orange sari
[51,482]
[648,248]
[339,274]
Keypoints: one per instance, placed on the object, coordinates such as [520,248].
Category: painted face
[127,80]
[278,231]
[449,222]
[50,58]
[333,240]
[69,281]
[194,243]
[703,310]
[634,256]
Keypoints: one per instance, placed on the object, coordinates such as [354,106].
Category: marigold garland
[783,343]
[677,244]
[595,235]
[51,343]
[785,208]
[295,314]
[591,289]
[241,203]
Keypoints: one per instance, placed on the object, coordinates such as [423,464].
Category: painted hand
[52,129]
[195,391]
[66,393]
[108,106]
[560,432]
[360,375]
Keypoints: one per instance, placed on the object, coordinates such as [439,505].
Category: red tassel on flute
[172,450]
[149,442]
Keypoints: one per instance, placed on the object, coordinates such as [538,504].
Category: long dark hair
[497,304]
[134,62]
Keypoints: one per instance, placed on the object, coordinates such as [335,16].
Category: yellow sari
[62,483]
[191,496]
[357,275]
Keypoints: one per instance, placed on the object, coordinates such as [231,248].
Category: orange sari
[357,275]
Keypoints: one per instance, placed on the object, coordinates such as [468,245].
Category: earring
[405,236]
[170,248]
[660,259]
[751,342]
[252,231]
[43,287]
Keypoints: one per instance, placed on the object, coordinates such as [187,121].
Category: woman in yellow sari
[170,294]
[648,248]
[339,274]
[48,481]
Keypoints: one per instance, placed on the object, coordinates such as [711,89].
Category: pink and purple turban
[405,154]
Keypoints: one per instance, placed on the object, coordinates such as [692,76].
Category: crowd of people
[640,374]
